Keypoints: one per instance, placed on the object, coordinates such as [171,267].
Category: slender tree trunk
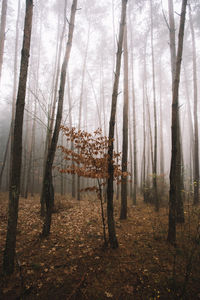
[156,200]
[10,137]
[196,136]
[47,181]
[175,170]
[134,121]
[81,102]
[131,158]
[30,155]
[123,214]
[191,131]
[73,186]
[9,253]
[111,223]
[53,101]
[2,32]
[161,128]
[179,204]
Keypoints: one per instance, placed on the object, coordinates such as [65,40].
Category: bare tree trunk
[156,200]
[81,102]
[134,122]
[47,180]
[53,101]
[73,189]
[131,158]
[10,137]
[161,128]
[196,137]
[191,131]
[111,223]
[16,156]
[123,214]
[2,32]
[179,204]
[30,155]
[175,170]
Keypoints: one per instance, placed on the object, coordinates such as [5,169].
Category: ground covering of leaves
[72,264]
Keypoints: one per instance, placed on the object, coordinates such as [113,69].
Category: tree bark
[53,100]
[175,170]
[123,214]
[196,136]
[16,155]
[179,204]
[2,32]
[47,180]
[111,223]
[10,137]
[156,200]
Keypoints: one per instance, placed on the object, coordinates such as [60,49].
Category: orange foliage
[89,156]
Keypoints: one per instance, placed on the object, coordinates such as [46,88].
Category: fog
[91,72]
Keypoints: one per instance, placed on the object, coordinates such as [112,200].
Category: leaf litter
[72,264]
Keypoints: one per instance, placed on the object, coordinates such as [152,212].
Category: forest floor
[72,264]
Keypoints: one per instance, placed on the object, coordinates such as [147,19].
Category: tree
[179,204]
[156,200]
[90,160]
[111,223]
[175,169]
[2,32]
[123,214]
[10,137]
[47,180]
[16,155]
[196,136]
[55,83]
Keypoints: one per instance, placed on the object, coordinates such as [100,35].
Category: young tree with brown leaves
[90,160]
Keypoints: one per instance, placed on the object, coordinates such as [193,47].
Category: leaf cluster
[88,154]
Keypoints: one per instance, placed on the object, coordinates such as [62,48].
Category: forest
[99,149]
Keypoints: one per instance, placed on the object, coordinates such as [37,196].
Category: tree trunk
[175,170]
[16,156]
[2,32]
[47,180]
[196,137]
[53,100]
[123,214]
[73,186]
[81,103]
[156,200]
[10,137]
[179,204]
[111,223]
[134,122]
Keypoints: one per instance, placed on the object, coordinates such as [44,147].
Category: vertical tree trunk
[179,204]
[73,186]
[16,156]
[47,180]
[196,137]
[111,223]
[156,200]
[2,32]
[81,102]
[53,101]
[134,122]
[10,137]
[161,128]
[175,170]
[123,214]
